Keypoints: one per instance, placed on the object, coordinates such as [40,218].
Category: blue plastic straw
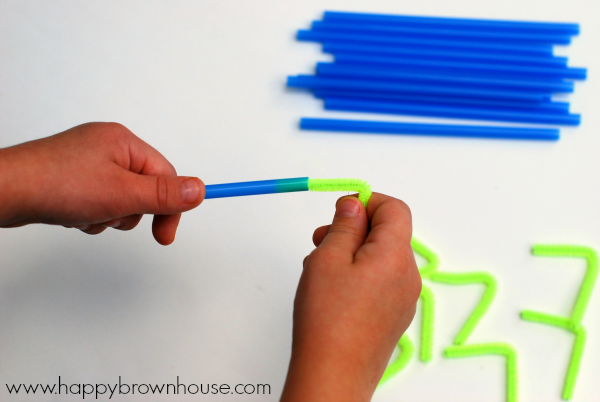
[314,36]
[453,23]
[441,54]
[256,187]
[543,107]
[445,130]
[307,81]
[449,111]
[445,34]
[464,68]
[359,71]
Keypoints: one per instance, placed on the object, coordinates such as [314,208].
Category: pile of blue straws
[441,67]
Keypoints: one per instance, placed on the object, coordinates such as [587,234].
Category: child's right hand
[356,297]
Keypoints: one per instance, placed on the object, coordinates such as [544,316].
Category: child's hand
[91,177]
[356,297]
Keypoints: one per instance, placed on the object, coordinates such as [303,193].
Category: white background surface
[203,82]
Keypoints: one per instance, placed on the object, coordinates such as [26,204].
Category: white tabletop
[204,83]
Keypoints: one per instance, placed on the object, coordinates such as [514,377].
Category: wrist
[329,374]
[13,199]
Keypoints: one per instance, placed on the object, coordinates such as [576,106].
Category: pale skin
[358,289]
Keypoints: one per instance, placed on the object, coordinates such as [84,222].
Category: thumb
[164,195]
[348,231]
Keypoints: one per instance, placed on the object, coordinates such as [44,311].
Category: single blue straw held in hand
[351,70]
[312,82]
[256,187]
[445,130]
[445,34]
[550,28]
[425,53]
[543,107]
[448,111]
[459,67]
[494,48]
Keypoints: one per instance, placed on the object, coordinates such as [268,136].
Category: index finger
[391,229]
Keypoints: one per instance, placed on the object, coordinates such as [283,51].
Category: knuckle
[322,254]
[115,127]
[345,227]
[114,132]
[122,224]
[126,226]
[162,192]
[409,274]
[401,215]
[172,168]
[409,285]
[402,208]
[405,209]
[401,263]
[416,284]
[129,224]
[92,230]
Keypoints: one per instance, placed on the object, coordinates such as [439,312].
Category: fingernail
[347,208]
[190,191]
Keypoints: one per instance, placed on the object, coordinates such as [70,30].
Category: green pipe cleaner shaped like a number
[407,349]
[432,261]
[427,300]
[572,323]
[502,349]
[428,303]
[430,271]
[360,186]
[482,306]
[405,344]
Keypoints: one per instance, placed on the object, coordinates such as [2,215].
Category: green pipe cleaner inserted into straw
[360,186]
